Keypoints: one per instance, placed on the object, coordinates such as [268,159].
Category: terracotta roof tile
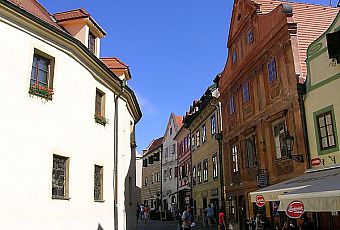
[35,8]
[72,14]
[154,144]
[312,20]
[114,63]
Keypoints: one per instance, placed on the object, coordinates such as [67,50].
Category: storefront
[315,194]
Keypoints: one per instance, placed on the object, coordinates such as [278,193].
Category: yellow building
[202,123]
[322,98]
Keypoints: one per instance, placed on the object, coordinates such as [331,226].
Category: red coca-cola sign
[316,161]
[260,201]
[295,209]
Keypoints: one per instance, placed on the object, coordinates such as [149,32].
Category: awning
[315,185]
[320,196]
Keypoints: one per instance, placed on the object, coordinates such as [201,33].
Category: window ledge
[39,93]
[99,201]
[60,198]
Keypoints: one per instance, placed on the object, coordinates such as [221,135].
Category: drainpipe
[161,192]
[301,88]
[115,124]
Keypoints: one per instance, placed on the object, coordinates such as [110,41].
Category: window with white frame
[198,138]
[235,163]
[199,173]
[193,140]
[204,133]
[213,124]
[205,170]
[278,131]
[326,133]
[215,167]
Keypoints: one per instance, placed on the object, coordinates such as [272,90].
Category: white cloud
[146,105]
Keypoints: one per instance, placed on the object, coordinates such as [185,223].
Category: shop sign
[316,161]
[295,209]
[260,201]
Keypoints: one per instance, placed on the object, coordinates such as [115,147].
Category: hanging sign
[260,201]
[295,209]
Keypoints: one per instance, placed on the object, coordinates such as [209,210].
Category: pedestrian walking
[146,213]
[210,215]
[142,211]
[259,224]
[187,219]
[138,212]
[285,226]
[221,219]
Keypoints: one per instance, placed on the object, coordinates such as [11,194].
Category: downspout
[161,192]
[301,88]
[115,124]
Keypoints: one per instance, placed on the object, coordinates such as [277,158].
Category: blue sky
[174,49]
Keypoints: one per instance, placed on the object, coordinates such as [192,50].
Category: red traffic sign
[316,161]
[260,201]
[295,209]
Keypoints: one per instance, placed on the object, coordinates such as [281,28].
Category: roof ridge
[82,10]
[117,59]
[292,1]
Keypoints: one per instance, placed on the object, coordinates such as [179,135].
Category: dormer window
[92,43]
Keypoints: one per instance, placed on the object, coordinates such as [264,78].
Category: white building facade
[169,163]
[67,127]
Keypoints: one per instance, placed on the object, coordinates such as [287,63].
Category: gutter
[115,180]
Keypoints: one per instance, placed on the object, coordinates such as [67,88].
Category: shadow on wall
[100,227]
[130,194]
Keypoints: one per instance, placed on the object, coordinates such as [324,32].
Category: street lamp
[288,145]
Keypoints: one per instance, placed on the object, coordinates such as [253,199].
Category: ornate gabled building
[169,163]
[261,101]
[68,139]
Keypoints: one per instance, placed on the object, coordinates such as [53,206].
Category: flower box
[99,118]
[41,91]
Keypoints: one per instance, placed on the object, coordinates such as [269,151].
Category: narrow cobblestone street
[166,225]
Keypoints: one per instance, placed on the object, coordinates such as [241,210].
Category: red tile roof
[154,144]
[35,8]
[114,63]
[71,14]
[179,120]
[312,20]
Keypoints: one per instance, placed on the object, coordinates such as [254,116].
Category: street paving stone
[166,225]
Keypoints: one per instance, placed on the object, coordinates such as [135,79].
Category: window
[170,131]
[205,170]
[250,153]
[250,37]
[156,156]
[194,175]
[170,173]
[246,96]
[100,108]
[232,105]
[146,182]
[271,67]
[215,167]
[199,173]
[232,208]
[326,131]
[204,133]
[235,159]
[60,177]
[151,159]
[213,124]
[280,149]
[165,175]
[193,140]
[98,183]
[153,178]
[41,77]
[145,162]
[92,43]
[234,56]
[197,138]
[166,155]
[157,177]
[176,171]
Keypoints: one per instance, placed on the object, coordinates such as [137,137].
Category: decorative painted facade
[261,103]
[68,136]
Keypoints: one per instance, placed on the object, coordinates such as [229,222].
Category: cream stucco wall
[32,130]
[323,91]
